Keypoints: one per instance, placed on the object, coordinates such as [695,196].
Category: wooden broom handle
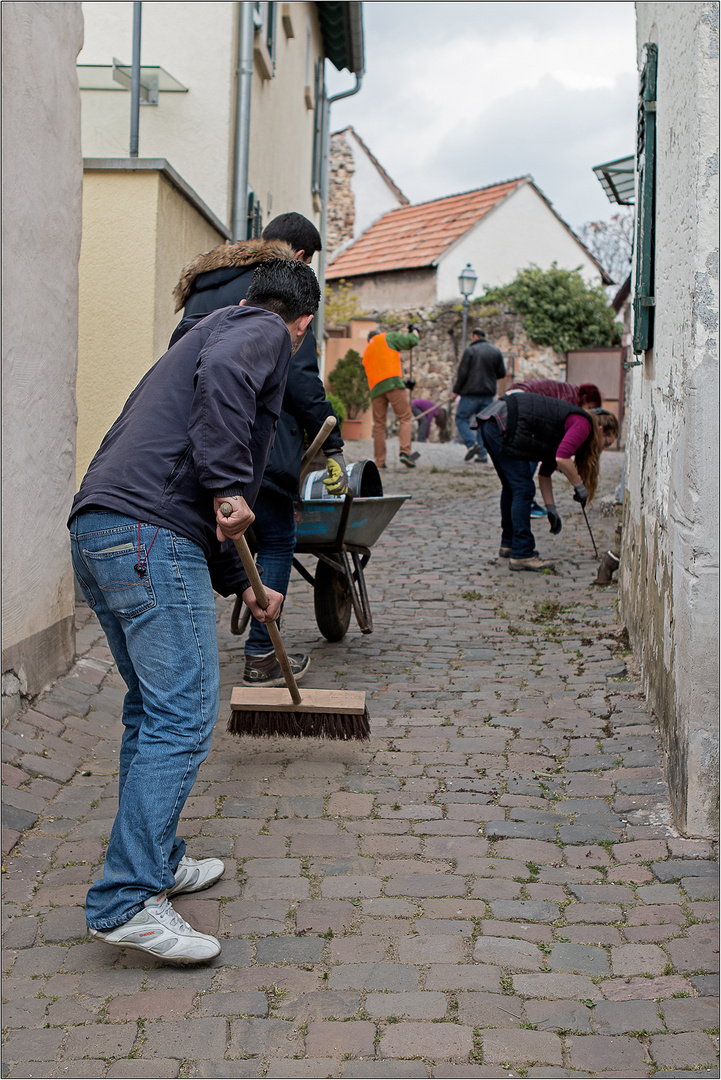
[328,424]
[261,596]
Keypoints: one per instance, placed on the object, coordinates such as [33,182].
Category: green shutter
[644,299]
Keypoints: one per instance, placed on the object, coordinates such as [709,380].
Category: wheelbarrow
[339,532]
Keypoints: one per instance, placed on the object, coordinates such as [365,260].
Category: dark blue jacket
[199,424]
[223,276]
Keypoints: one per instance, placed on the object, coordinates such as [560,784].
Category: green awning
[341,25]
[618,180]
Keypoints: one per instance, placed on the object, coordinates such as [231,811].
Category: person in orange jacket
[382,363]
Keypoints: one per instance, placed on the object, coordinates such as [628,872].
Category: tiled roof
[415,236]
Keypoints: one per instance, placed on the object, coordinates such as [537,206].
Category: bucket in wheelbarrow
[364,480]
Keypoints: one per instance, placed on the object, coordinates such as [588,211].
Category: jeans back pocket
[115,569]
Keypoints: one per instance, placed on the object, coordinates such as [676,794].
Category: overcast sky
[460,95]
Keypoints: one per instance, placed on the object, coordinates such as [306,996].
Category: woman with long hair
[520,428]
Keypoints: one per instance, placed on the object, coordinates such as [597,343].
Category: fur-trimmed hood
[242,254]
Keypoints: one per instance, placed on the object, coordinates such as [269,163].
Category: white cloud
[458,95]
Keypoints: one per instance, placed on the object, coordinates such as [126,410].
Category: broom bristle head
[323,725]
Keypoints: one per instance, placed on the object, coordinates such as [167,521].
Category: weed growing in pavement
[274,994]
[472,595]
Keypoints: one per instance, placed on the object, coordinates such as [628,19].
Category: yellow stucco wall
[138,233]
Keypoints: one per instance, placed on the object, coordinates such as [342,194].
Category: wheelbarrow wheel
[332,600]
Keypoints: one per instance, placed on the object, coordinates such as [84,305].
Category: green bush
[338,407]
[559,309]
[348,381]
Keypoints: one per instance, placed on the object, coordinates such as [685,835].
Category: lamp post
[466,284]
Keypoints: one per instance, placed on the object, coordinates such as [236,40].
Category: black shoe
[471,453]
[266,671]
[407,460]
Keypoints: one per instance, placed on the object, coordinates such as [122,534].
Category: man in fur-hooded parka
[220,278]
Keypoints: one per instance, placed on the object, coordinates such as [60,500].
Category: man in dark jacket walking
[146,532]
[221,277]
[480,367]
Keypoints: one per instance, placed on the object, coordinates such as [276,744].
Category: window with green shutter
[644,299]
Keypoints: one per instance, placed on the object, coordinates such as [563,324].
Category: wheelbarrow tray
[319,520]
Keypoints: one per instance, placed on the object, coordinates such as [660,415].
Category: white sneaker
[159,930]
[193,875]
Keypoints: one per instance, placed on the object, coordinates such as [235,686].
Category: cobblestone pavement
[490,888]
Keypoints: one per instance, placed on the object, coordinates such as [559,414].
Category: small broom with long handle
[332,714]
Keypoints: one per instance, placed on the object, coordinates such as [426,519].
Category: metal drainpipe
[135,82]
[241,150]
[325,169]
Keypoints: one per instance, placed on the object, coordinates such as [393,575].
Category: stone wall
[436,359]
[341,201]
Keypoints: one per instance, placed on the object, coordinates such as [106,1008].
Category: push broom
[331,714]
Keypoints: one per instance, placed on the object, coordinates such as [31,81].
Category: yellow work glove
[336,479]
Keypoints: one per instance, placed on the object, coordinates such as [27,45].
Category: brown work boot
[533,563]
[266,671]
[505,553]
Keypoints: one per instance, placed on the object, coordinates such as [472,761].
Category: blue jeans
[517,493]
[161,629]
[274,529]
[466,409]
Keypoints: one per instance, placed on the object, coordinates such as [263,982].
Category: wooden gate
[604,367]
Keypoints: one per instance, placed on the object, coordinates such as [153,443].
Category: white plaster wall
[517,232]
[672,445]
[42,191]
[372,195]
[196,44]
[281,127]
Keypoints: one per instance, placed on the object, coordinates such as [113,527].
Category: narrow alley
[492,887]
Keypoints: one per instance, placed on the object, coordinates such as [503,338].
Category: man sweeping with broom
[146,532]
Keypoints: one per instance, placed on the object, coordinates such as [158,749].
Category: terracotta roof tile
[415,236]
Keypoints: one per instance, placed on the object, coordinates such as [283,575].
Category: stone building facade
[341,200]
[669,569]
[359,190]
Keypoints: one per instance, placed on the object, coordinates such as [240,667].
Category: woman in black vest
[522,427]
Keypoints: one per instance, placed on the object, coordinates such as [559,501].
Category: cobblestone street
[492,887]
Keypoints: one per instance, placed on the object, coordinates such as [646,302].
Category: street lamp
[466,284]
